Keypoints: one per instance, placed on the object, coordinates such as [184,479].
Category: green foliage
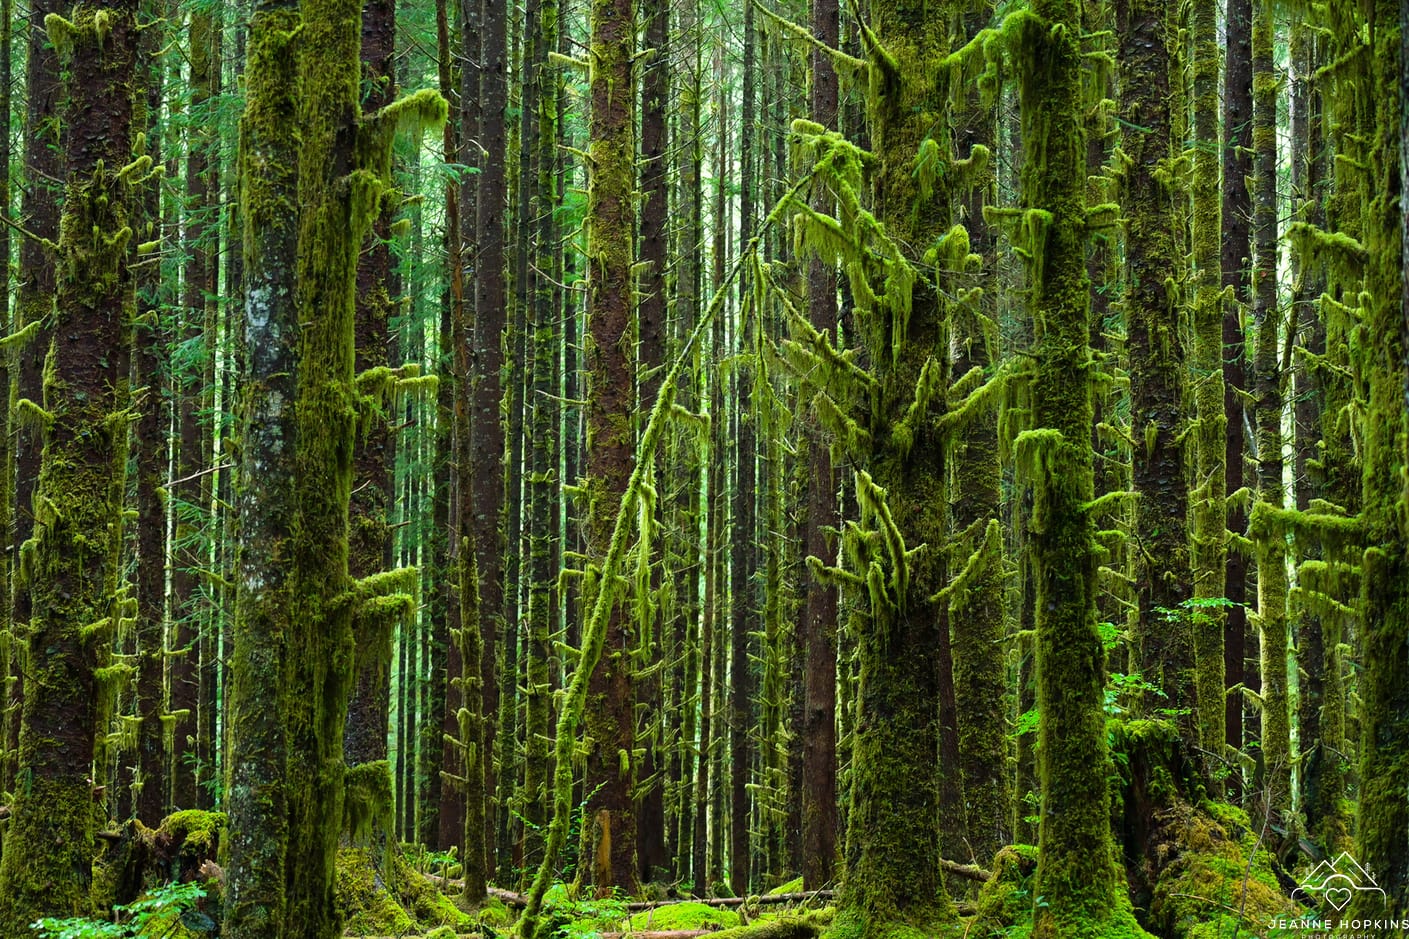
[159,913]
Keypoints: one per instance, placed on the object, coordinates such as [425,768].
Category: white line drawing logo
[1337,882]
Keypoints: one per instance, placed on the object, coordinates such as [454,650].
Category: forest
[776,469]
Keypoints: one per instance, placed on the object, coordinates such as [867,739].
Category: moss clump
[1208,887]
[196,830]
[685,916]
[790,886]
[372,906]
[1005,900]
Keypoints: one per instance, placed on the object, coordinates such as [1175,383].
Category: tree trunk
[819,619]
[146,799]
[39,204]
[1076,873]
[487,376]
[258,799]
[543,482]
[1165,652]
[1209,544]
[1384,759]
[611,225]
[1269,537]
[1236,255]
[47,865]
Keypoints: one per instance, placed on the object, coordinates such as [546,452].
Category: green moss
[1005,899]
[1210,887]
[367,905]
[367,800]
[790,886]
[685,916]
[374,907]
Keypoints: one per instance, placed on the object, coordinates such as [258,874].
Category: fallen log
[637,906]
[967,871]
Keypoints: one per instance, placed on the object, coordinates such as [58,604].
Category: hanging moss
[1379,357]
[47,865]
[1209,485]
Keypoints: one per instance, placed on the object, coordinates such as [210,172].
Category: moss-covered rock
[685,916]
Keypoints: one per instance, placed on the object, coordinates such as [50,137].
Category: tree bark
[258,799]
[611,224]
[46,868]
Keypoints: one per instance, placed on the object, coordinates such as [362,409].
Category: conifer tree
[71,557]
[1384,756]
[1207,494]
[611,224]
[1078,875]
[1165,650]
[258,798]
[1267,367]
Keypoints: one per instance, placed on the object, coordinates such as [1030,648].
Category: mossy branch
[840,60]
[990,549]
[977,402]
[413,114]
[20,337]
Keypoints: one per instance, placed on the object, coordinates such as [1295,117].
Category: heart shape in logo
[1338,897]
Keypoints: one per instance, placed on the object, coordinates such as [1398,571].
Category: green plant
[155,914]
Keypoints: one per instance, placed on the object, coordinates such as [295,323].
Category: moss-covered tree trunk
[451,812]
[1165,654]
[343,164]
[1077,877]
[258,798]
[819,620]
[543,482]
[47,865]
[1384,756]
[1236,255]
[611,226]
[369,536]
[487,523]
[743,504]
[146,784]
[9,640]
[1207,495]
[890,421]
[40,200]
[652,336]
[1267,366]
[193,601]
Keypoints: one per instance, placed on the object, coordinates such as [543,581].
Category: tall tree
[267,501]
[611,225]
[1077,873]
[1236,256]
[543,483]
[34,299]
[343,162]
[1165,648]
[1267,367]
[819,622]
[47,865]
[486,482]
[1384,756]
[1208,492]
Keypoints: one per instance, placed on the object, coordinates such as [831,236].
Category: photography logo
[1336,882]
